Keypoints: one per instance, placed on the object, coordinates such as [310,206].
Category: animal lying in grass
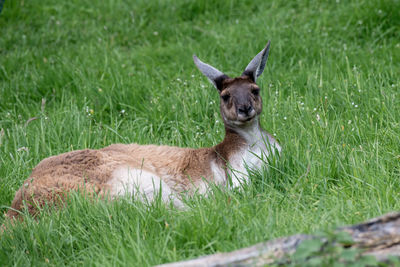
[147,170]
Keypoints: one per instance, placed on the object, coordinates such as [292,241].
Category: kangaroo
[121,169]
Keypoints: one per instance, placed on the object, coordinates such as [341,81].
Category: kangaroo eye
[256,92]
[225,97]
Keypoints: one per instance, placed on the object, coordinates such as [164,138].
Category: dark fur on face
[240,97]
[240,100]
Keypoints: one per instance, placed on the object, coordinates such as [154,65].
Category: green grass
[94,73]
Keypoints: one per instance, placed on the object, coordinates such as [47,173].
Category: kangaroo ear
[215,76]
[257,64]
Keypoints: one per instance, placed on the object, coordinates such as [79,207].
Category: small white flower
[352,103]
[178,79]
[302,103]
[155,33]
[356,106]
[192,75]
[23,148]
[326,97]
[285,118]
[349,122]
[202,86]
[274,134]
[318,117]
[315,109]
[123,111]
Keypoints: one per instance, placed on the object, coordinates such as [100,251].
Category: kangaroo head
[240,97]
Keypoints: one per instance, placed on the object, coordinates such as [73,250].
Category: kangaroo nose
[245,110]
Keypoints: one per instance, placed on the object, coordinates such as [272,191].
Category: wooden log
[379,237]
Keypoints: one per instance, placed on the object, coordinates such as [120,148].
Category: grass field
[85,74]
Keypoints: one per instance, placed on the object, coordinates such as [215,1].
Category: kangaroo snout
[245,110]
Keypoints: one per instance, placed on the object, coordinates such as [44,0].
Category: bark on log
[379,237]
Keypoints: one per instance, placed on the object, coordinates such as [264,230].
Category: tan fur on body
[120,168]
[91,170]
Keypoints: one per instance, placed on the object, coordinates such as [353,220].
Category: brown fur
[90,171]
[240,90]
